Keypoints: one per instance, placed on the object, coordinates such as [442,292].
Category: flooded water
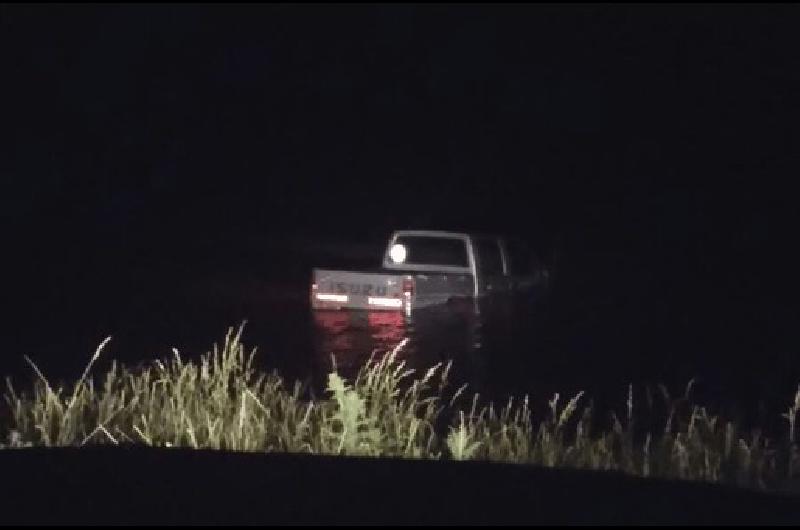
[598,329]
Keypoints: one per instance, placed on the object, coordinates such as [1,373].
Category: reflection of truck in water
[423,268]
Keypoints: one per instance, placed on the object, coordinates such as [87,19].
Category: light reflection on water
[464,333]
[350,335]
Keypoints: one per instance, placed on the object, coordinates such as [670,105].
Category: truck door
[491,275]
[518,261]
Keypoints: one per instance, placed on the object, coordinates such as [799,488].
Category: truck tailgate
[357,290]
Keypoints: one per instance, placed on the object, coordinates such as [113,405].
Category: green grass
[221,402]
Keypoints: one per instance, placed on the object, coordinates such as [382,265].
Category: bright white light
[332,297]
[398,253]
[385,302]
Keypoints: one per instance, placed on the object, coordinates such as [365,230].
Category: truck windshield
[422,250]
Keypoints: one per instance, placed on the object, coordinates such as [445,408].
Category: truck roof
[443,233]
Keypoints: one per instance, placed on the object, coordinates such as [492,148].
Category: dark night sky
[653,147]
[640,120]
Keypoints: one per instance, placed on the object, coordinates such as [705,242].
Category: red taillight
[408,286]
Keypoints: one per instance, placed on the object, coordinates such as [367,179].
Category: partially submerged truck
[424,268]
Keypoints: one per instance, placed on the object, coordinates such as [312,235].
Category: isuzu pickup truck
[422,268]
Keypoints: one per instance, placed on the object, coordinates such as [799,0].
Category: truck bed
[379,290]
[387,290]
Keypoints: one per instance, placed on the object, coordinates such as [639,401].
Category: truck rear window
[423,250]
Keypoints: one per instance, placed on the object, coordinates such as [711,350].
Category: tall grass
[388,410]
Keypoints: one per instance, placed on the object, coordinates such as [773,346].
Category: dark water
[608,320]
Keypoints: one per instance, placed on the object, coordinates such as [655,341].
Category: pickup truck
[423,268]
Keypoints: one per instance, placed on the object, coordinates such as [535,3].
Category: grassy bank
[221,402]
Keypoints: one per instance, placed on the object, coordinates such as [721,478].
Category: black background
[650,150]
